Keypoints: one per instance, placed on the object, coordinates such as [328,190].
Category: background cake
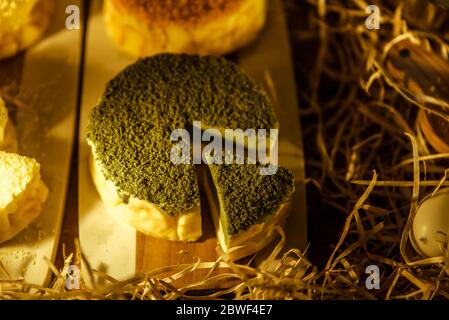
[22,193]
[143,28]
[22,23]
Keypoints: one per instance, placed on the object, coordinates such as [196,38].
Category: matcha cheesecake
[246,205]
[130,130]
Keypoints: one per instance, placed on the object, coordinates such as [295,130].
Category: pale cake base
[25,209]
[144,216]
[26,214]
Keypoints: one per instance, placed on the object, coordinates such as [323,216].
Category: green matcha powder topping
[131,125]
[248,197]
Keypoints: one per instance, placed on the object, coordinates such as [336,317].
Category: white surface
[109,246]
[49,86]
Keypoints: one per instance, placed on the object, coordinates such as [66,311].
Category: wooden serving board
[45,80]
[118,249]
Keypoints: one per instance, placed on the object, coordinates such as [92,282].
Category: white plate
[49,86]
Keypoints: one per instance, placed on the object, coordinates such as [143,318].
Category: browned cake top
[184,11]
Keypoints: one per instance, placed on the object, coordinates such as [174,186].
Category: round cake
[143,28]
[8,137]
[22,23]
[130,133]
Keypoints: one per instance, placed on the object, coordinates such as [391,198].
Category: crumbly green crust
[131,125]
[247,197]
